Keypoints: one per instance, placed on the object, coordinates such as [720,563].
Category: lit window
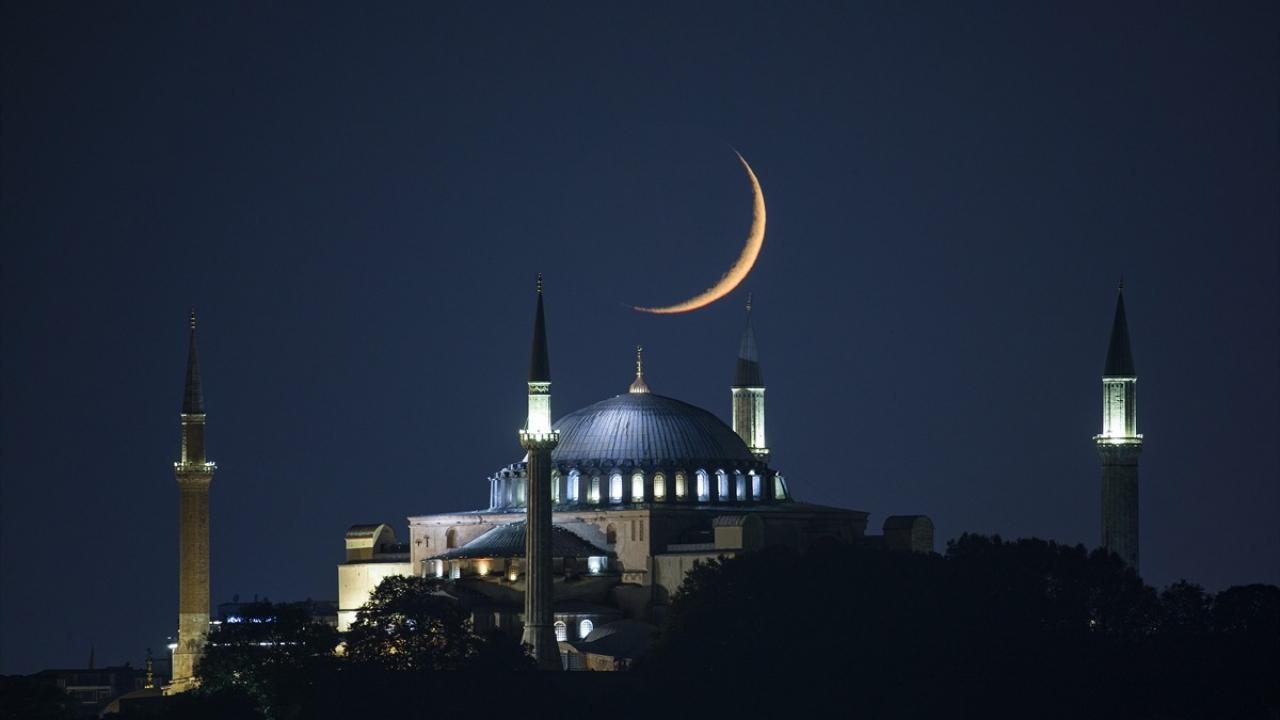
[681,486]
[455,570]
[562,631]
[704,486]
[659,487]
[755,486]
[439,568]
[637,487]
[615,487]
[597,564]
[555,487]
[779,487]
[722,485]
[584,629]
[594,495]
[740,485]
[574,477]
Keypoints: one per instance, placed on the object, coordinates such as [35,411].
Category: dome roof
[646,429]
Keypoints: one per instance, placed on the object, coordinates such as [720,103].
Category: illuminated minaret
[539,439]
[748,394]
[194,474]
[1120,444]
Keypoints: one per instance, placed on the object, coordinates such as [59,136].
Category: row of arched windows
[508,489]
[584,629]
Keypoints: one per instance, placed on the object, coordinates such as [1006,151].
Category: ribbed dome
[646,429]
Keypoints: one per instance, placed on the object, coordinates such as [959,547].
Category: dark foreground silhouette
[990,629]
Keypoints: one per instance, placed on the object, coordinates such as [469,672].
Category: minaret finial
[193,318]
[1121,282]
[539,283]
[638,386]
[748,302]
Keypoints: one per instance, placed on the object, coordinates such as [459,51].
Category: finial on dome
[638,386]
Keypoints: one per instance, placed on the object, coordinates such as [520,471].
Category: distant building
[95,688]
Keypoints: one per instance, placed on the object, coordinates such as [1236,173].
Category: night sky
[357,200]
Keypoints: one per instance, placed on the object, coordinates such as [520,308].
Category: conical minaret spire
[539,359]
[539,439]
[1120,443]
[1119,354]
[192,395]
[194,474]
[748,392]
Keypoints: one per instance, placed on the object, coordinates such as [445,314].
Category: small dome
[646,429]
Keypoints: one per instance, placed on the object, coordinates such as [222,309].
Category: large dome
[646,429]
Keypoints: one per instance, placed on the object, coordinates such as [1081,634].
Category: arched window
[555,486]
[451,538]
[779,487]
[756,488]
[704,486]
[611,534]
[740,486]
[659,487]
[682,484]
[520,487]
[574,477]
[637,486]
[722,484]
[584,629]
[615,487]
[594,495]
[562,631]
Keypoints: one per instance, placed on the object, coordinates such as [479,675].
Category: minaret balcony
[537,440]
[1118,439]
[195,467]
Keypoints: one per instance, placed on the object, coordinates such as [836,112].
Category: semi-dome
[646,429]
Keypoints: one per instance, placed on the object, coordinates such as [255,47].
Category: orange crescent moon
[738,271]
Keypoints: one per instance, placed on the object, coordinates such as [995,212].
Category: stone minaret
[539,439]
[194,473]
[1120,444]
[748,393]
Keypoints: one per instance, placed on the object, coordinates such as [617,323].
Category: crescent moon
[738,271]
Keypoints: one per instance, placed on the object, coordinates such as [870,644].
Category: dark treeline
[988,629]
[1030,627]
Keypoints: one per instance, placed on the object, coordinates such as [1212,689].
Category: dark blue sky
[357,199]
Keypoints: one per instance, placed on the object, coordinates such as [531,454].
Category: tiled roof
[507,541]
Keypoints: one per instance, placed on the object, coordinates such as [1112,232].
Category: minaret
[194,474]
[539,439]
[748,393]
[1120,444]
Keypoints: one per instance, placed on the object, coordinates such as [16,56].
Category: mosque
[623,497]
[642,487]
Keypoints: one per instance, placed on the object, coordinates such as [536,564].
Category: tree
[263,653]
[407,626]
